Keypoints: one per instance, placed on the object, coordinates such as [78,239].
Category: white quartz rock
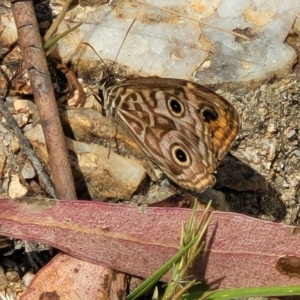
[166,45]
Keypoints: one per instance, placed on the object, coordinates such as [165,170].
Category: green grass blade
[52,41]
[154,278]
[275,291]
[53,28]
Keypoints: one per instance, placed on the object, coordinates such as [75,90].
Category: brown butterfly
[183,127]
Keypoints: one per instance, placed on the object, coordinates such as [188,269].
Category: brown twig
[36,65]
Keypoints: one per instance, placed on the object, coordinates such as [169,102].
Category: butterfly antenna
[104,64]
[121,45]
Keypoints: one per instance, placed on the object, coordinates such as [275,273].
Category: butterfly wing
[183,127]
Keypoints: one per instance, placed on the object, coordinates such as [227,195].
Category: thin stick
[35,61]
[195,20]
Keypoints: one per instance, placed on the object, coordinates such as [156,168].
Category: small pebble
[12,276]
[272,127]
[27,278]
[291,133]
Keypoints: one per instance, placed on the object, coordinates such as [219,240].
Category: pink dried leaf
[240,251]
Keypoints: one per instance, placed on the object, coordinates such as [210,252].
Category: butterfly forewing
[183,127]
